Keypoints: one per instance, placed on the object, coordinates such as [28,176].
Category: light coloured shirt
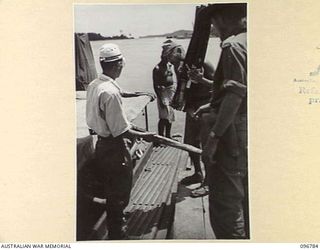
[104,110]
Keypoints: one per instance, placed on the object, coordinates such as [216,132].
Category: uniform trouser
[115,170]
[228,188]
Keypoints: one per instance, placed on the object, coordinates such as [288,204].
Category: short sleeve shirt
[104,111]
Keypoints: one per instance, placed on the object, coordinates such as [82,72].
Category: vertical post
[146,117]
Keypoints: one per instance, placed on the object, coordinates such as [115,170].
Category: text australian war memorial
[162,131]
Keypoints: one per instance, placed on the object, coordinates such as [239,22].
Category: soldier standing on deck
[225,152]
[106,117]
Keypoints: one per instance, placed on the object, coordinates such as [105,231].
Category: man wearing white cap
[106,117]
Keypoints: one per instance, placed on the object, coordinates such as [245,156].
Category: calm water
[141,57]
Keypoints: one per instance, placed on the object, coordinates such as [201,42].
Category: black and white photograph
[160,124]
[161,102]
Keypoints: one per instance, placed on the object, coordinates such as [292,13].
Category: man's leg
[161,126]
[192,137]
[227,178]
[117,200]
[168,128]
[115,219]
[225,204]
[203,189]
[115,166]
[207,121]
[197,176]
[195,158]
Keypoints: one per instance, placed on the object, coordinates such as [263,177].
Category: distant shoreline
[179,34]
[137,38]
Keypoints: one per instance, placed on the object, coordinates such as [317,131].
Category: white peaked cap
[110,52]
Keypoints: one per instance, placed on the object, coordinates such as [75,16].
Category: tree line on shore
[182,34]
[97,36]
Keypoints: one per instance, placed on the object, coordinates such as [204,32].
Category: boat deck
[160,207]
[151,208]
[191,219]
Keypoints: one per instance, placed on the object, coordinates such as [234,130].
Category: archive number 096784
[308,246]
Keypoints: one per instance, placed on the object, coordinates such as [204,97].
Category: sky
[137,19]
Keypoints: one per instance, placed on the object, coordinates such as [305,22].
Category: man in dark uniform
[225,152]
[106,117]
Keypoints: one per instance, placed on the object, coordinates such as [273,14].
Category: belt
[92,132]
[105,138]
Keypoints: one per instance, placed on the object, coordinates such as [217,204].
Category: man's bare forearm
[133,134]
[129,94]
[206,82]
[137,93]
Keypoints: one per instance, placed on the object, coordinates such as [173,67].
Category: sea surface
[141,56]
